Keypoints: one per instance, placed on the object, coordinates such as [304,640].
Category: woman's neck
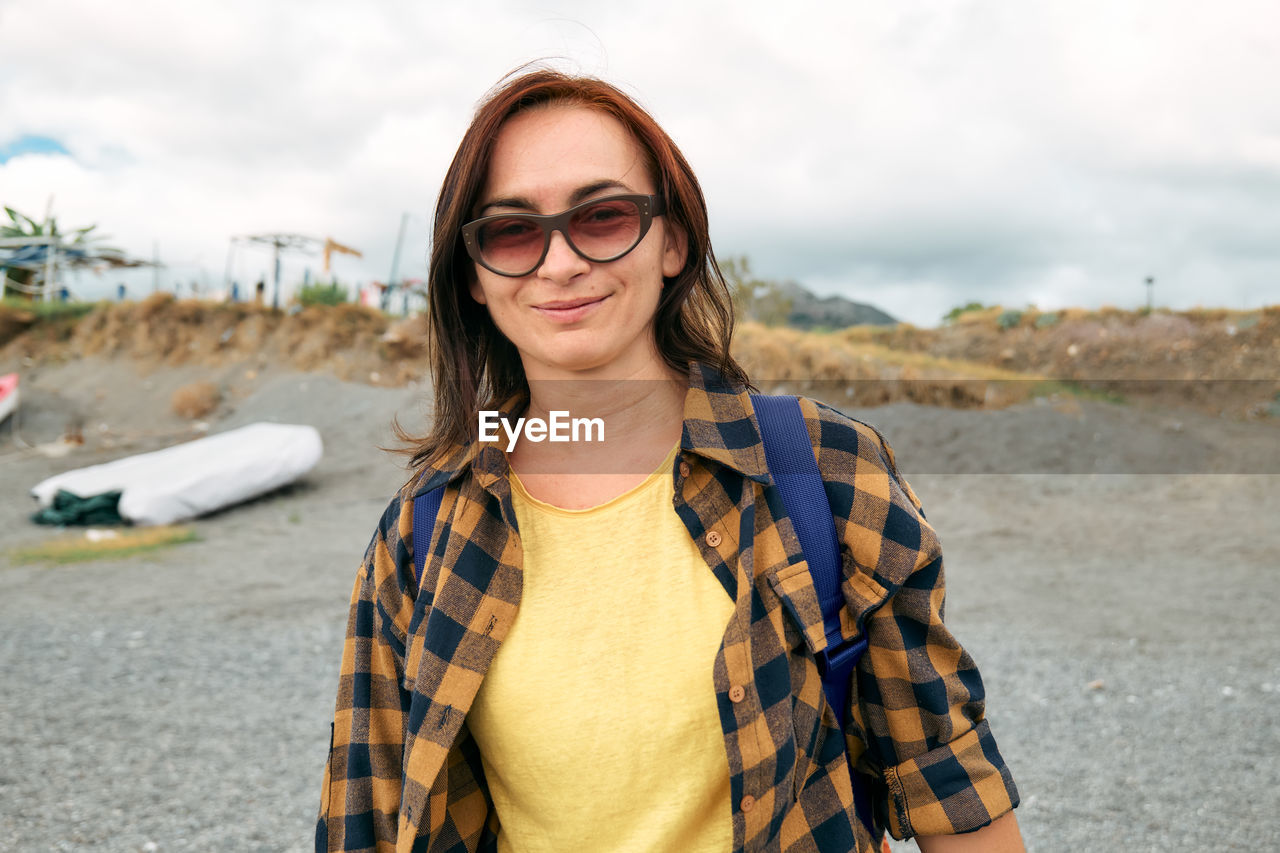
[628,426]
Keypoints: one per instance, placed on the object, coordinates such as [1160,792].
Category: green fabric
[68,509]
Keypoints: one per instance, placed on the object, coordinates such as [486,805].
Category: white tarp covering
[197,477]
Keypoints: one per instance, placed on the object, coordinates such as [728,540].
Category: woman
[612,643]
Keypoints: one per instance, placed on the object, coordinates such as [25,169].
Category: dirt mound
[1216,360]
[346,340]
[13,322]
[861,374]
[1107,344]
[1224,362]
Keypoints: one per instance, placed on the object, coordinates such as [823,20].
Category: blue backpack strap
[425,508]
[789,454]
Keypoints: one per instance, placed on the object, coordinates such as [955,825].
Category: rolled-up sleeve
[920,700]
[359,805]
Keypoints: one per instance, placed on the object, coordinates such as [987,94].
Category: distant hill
[832,312]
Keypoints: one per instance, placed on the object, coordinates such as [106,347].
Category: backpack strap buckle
[840,658]
[836,664]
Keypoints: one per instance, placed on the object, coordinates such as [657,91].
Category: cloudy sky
[914,155]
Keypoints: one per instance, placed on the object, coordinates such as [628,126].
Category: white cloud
[915,154]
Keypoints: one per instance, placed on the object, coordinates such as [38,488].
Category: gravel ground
[180,702]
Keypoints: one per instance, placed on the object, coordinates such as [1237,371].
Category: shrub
[322,293]
[954,314]
[1044,321]
[1009,319]
[48,309]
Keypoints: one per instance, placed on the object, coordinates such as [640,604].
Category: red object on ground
[8,395]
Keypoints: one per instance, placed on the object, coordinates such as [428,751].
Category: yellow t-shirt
[597,721]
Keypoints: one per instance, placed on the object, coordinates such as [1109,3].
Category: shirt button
[748,803]
[685,470]
[713,539]
[737,693]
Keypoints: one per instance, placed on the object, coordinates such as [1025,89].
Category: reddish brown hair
[473,366]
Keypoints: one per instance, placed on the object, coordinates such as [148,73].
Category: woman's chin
[576,361]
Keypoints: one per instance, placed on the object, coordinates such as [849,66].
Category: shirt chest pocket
[803,639]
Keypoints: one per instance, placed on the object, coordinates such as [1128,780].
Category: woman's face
[572,317]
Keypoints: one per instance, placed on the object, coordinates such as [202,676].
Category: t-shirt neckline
[663,469]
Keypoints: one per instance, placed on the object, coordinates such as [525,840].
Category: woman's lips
[569,310]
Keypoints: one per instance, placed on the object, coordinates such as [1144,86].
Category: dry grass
[114,543]
[855,368]
[407,339]
[197,400]
[344,340]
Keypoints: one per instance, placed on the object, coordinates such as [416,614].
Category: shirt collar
[719,425]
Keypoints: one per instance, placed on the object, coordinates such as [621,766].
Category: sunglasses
[600,230]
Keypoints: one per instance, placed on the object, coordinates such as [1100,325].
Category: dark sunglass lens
[606,229]
[510,244]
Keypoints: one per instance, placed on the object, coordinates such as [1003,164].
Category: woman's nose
[562,263]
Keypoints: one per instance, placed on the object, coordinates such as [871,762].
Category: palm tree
[26,246]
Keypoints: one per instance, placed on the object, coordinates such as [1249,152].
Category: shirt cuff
[958,787]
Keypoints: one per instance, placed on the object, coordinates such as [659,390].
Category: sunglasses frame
[649,206]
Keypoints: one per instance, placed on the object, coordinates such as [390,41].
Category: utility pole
[47,290]
[275,284]
[395,263]
[231,256]
[1151,282]
[50,255]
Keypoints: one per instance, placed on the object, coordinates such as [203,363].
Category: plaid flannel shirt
[404,773]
